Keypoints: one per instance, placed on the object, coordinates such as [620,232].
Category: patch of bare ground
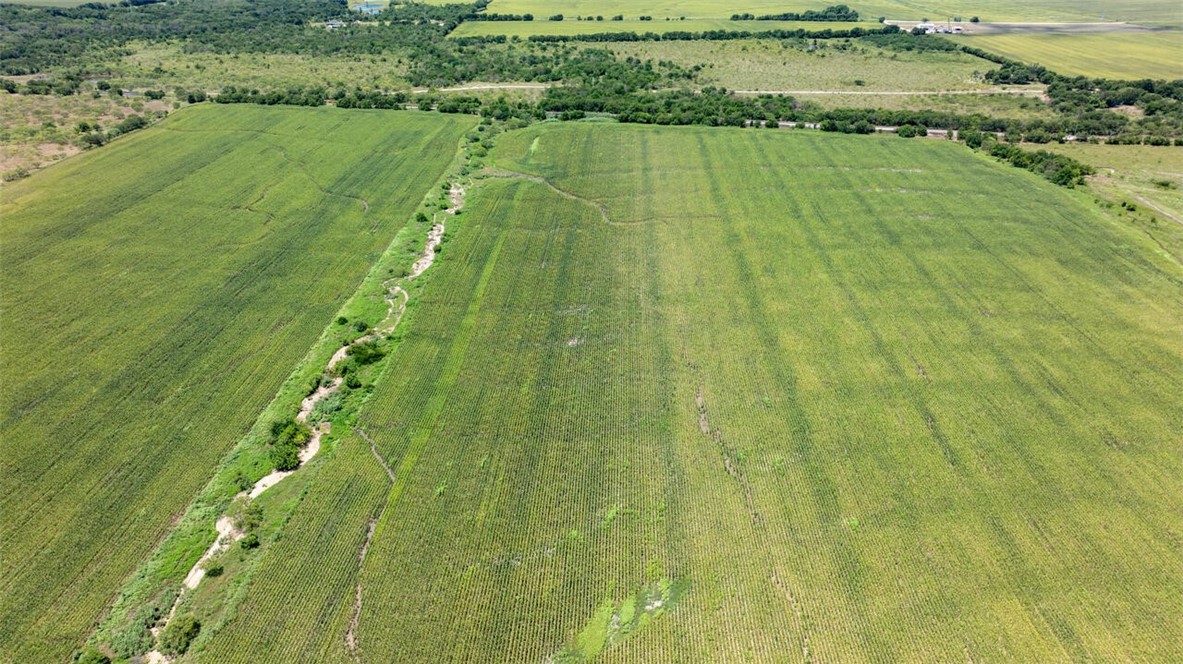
[355,620]
[43,129]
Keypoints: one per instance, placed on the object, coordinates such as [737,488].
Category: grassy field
[1147,177]
[839,65]
[689,394]
[36,130]
[165,66]
[573,27]
[157,292]
[1112,55]
[1163,12]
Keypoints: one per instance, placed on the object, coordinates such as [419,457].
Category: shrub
[285,457]
[361,326]
[179,634]
[135,639]
[341,320]
[287,437]
[367,352]
[92,656]
[251,541]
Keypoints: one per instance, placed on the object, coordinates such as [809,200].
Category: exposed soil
[227,534]
[487,86]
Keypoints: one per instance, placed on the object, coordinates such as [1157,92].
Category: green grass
[1108,55]
[572,27]
[940,397]
[1140,11]
[837,65]
[165,66]
[157,293]
[1148,177]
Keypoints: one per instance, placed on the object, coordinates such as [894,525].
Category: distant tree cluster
[834,13]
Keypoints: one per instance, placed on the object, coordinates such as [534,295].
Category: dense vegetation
[591,80]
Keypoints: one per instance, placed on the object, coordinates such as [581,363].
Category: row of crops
[830,398]
[157,293]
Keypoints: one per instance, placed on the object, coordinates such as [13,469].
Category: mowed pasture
[156,294]
[690,394]
[1118,55]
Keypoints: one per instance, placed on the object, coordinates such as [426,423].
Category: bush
[251,541]
[341,320]
[92,656]
[285,457]
[287,438]
[179,634]
[367,352]
[135,639]
[326,407]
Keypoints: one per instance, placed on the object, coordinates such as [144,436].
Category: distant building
[333,25]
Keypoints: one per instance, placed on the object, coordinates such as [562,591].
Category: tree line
[833,13]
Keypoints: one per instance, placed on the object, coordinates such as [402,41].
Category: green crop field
[1107,55]
[692,394]
[1162,12]
[156,293]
